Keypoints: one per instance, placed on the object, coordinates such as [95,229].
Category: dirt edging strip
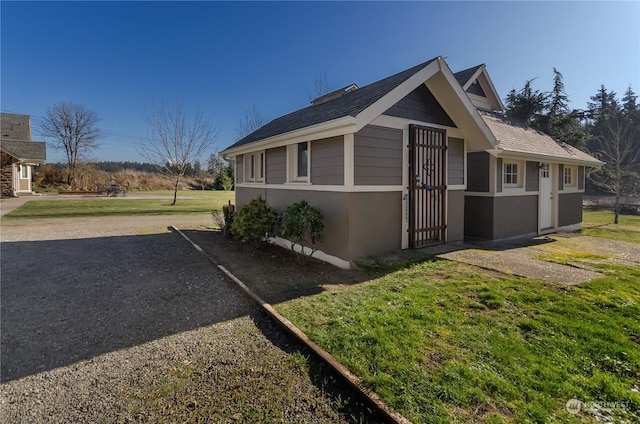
[386,411]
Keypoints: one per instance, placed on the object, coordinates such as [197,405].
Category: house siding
[239,169]
[561,177]
[356,224]
[569,209]
[581,178]
[455,168]
[377,156]
[494,217]
[478,172]
[532,179]
[420,105]
[455,215]
[327,161]
[276,164]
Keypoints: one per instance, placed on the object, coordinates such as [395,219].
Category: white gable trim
[485,82]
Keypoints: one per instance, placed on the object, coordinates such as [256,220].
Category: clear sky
[224,57]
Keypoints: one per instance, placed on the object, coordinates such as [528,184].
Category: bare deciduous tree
[618,147]
[73,129]
[320,86]
[251,121]
[174,140]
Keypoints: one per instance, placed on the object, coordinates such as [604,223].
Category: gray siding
[276,164]
[569,209]
[455,154]
[478,172]
[561,177]
[240,169]
[378,156]
[581,178]
[514,216]
[478,217]
[352,220]
[420,105]
[494,217]
[533,177]
[455,215]
[327,161]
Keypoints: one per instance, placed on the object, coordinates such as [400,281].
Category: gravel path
[120,320]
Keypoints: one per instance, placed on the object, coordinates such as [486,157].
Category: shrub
[254,222]
[302,225]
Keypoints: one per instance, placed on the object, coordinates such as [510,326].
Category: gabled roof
[350,104]
[25,151]
[517,139]
[463,77]
[479,75]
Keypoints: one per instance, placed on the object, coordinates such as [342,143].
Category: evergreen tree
[526,105]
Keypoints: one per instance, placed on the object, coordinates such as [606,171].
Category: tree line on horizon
[608,128]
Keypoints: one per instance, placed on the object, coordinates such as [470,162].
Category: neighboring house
[421,157]
[18,154]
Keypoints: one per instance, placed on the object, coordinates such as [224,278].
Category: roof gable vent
[334,94]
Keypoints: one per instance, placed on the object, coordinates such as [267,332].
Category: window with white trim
[298,162]
[569,176]
[254,166]
[24,172]
[511,174]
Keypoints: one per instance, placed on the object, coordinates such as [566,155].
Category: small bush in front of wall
[254,222]
[301,224]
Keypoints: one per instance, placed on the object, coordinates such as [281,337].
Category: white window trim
[292,164]
[573,175]
[257,159]
[519,175]
[22,170]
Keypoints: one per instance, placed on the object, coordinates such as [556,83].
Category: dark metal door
[428,191]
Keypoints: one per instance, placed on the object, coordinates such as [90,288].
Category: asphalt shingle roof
[27,151]
[463,76]
[514,136]
[350,104]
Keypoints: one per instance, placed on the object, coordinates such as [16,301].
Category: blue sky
[224,57]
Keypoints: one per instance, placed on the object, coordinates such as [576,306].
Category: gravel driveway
[121,320]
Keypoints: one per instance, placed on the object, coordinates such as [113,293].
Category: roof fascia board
[385,102]
[335,127]
[468,105]
[473,78]
[494,92]
[507,154]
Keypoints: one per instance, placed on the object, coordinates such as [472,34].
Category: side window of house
[255,167]
[510,174]
[298,161]
[569,176]
[303,159]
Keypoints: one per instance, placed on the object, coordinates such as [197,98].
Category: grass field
[441,342]
[600,224]
[189,203]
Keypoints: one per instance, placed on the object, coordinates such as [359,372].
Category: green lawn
[600,224]
[198,202]
[441,342]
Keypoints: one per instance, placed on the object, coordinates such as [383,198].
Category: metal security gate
[428,191]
